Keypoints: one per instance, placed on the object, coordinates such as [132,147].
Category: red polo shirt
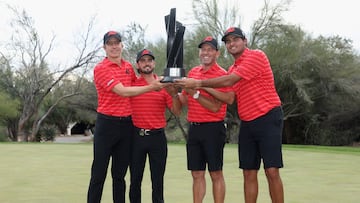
[196,112]
[255,92]
[106,75]
[148,109]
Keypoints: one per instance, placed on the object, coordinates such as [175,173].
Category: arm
[226,97]
[222,81]
[210,103]
[176,103]
[123,91]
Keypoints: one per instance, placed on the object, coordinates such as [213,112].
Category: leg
[121,160]
[137,165]
[250,185]
[98,175]
[157,161]
[264,134]
[275,185]
[271,152]
[100,163]
[196,162]
[213,146]
[218,186]
[199,186]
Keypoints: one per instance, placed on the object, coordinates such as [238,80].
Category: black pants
[155,146]
[112,138]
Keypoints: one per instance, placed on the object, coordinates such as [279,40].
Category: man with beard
[148,114]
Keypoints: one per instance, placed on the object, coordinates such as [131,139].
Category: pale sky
[65,18]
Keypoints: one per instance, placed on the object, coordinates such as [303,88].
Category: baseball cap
[209,40]
[233,31]
[143,53]
[110,34]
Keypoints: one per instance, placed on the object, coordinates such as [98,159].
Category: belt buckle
[144,132]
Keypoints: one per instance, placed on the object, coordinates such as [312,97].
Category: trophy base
[170,74]
[168,79]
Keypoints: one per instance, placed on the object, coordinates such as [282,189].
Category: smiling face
[208,55]
[113,48]
[146,64]
[235,45]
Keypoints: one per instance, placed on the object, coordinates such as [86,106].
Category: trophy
[174,50]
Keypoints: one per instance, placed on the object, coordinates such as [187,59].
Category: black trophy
[174,50]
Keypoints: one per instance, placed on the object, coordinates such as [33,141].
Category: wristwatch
[196,95]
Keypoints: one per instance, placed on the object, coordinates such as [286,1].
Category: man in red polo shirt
[113,77]
[259,108]
[148,114]
[207,132]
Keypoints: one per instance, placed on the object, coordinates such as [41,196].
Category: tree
[81,108]
[316,79]
[134,41]
[270,17]
[209,14]
[31,79]
[8,113]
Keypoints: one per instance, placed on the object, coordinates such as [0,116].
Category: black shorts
[261,139]
[205,145]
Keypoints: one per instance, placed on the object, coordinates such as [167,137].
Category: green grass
[59,173]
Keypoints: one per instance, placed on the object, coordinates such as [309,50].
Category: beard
[146,70]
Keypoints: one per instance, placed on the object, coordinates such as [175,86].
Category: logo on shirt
[110,82]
